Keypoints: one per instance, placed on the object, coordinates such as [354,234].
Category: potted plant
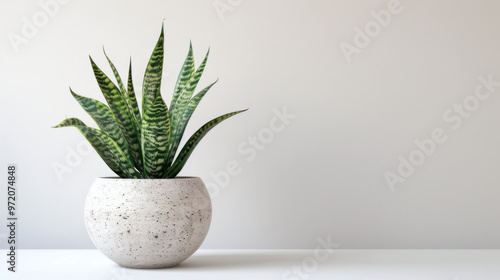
[148,217]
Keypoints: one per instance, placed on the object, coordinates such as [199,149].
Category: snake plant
[144,146]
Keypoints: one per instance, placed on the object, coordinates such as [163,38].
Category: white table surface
[267,264]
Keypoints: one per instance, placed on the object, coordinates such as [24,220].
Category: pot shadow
[353,259]
[240,260]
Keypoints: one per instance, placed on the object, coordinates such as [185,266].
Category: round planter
[148,223]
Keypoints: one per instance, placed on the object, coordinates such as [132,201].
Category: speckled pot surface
[148,223]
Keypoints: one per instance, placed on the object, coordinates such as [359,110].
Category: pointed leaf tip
[92,62]
[193,142]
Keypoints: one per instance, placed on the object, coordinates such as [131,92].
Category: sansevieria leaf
[184,76]
[128,95]
[152,76]
[187,91]
[115,72]
[105,119]
[120,109]
[155,138]
[193,142]
[131,99]
[182,122]
[144,143]
[107,149]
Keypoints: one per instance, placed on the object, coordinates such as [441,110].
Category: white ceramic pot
[148,223]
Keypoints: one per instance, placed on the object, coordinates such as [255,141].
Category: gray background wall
[367,97]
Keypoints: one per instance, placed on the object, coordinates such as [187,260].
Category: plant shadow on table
[238,260]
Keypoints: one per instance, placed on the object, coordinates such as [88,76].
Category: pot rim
[149,179]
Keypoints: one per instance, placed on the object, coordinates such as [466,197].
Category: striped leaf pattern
[120,109]
[129,94]
[152,76]
[184,76]
[193,142]
[184,119]
[71,122]
[105,119]
[107,149]
[187,91]
[155,138]
[136,146]
[131,99]
[115,72]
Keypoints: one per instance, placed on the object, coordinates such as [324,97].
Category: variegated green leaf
[155,138]
[105,119]
[70,122]
[109,151]
[182,123]
[131,99]
[184,76]
[152,76]
[193,142]
[129,94]
[120,110]
[187,92]
[136,146]
[115,72]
